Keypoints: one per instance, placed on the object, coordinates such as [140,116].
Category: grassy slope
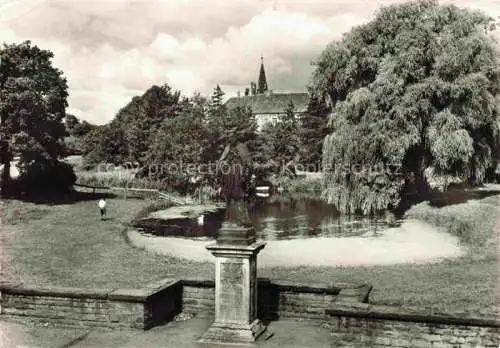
[459,286]
[71,246]
[68,245]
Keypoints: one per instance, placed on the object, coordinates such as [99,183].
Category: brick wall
[352,321]
[103,308]
[198,297]
[158,303]
[276,299]
[383,326]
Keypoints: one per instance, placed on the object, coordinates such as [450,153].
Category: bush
[117,178]
[47,177]
[298,185]
[206,193]
[305,185]
[73,146]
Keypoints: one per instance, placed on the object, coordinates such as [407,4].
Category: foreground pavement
[182,334]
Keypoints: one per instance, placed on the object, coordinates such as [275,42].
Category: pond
[298,232]
[274,219]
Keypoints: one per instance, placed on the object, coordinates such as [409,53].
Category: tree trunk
[5,175]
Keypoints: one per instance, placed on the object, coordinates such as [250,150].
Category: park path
[181,334]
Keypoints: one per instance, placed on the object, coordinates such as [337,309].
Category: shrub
[298,185]
[47,177]
[117,178]
[206,193]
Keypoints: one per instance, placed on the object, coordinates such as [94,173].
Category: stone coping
[198,282]
[127,295]
[349,303]
[380,312]
[346,291]
[235,250]
[343,289]
[285,285]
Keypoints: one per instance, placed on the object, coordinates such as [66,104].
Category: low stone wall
[276,299]
[159,302]
[101,308]
[198,297]
[343,307]
[364,325]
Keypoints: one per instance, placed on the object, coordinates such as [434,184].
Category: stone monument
[235,254]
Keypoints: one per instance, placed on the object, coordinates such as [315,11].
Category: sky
[112,50]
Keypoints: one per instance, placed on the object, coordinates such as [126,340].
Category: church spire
[262,86]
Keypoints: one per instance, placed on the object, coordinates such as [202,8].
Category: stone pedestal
[231,233]
[235,294]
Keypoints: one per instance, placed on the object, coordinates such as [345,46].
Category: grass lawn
[68,245]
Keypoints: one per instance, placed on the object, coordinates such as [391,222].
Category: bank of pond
[307,231]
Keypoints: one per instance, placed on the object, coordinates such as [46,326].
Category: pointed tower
[262,86]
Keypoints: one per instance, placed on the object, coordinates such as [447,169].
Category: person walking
[102,207]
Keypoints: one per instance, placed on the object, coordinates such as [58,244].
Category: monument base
[233,234]
[230,333]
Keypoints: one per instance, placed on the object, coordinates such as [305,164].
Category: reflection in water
[275,220]
[344,226]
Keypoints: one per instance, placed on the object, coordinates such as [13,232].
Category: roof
[274,103]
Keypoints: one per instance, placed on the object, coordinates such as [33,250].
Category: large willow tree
[414,95]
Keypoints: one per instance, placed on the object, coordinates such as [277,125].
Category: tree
[313,130]
[286,145]
[140,119]
[264,159]
[216,116]
[173,159]
[105,144]
[200,101]
[216,99]
[253,88]
[229,127]
[414,92]
[81,129]
[33,97]
[73,146]
[135,126]
[240,126]
[75,133]
[280,140]
[70,121]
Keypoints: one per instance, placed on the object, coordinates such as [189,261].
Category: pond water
[297,233]
[274,219]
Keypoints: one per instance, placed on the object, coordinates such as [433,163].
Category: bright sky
[112,50]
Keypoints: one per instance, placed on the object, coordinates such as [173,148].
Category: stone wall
[353,322]
[160,302]
[102,308]
[198,297]
[276,299]
[343,307]
[364,325]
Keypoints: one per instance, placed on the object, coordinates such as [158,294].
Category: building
[266,105]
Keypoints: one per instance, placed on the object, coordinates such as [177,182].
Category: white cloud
[165,44]
[112,50]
